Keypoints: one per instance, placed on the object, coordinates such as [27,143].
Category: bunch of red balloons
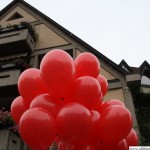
[62,102]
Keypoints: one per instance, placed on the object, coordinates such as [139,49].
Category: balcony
[8,87]
[16,40]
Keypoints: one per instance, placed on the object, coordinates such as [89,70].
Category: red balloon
[57,68]
[90,147]
[18,107]
[132,138]
[109,103]
[115,124]
[97,107]
[87,64]
[122,145]
[82,147]
[87,91]
[37,128]
[74,123]
[47,102]
[103,83]
[95,138]
[30,84]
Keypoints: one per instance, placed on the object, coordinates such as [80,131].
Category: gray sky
[119,29]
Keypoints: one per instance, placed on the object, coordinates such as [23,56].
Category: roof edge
[93,50]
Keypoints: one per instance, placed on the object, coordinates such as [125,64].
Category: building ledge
[145,89]
[15,41]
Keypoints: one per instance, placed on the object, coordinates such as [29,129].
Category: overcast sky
[119,29]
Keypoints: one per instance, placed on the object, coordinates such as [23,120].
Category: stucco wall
[78,52]
[48,38]
[106,74]
[115,94]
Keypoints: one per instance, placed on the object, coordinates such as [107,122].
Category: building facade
[26,35]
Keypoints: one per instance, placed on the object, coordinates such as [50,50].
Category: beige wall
[77,52]
[26,17]
[106,74]
[48,38]
[114,94]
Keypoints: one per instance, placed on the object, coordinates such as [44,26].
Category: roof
[143,69]
[94,51]
[123,64]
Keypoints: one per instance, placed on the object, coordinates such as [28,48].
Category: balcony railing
[15,41]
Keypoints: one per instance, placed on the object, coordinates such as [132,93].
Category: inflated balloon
[47,102]
[57,69]
[95,139]
[103,83]
[115,124]
[18,107]
[90,147]
[132,138]
[110,103]
[97,107]
[30,84]
[74,123]
[87,64]
[67,95]
[87,91]
[37,128]
[122,145]
[82,147]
